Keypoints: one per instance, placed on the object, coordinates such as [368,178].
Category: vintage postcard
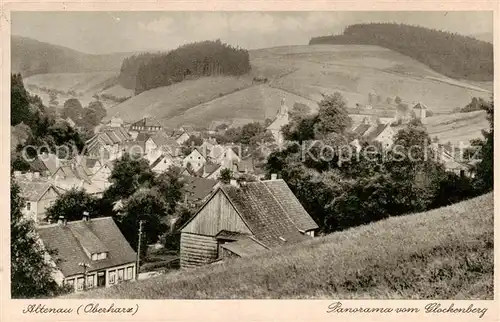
[243,153]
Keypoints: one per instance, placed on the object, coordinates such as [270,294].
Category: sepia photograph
[252,155]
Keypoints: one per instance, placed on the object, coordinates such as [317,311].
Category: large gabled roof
[266,218]
[96,235]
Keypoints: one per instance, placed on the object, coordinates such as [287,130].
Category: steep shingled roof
[373,134]
[289,202]
[361,129]
[68,242]
[271,223]
[33,190]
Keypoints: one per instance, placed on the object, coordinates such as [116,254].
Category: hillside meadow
[458,127]
[169,101]
[445,253]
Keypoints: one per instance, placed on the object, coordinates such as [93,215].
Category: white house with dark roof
[196,159]
[263,214]
[96,244]
[39,194]
[147,124]
[382,133]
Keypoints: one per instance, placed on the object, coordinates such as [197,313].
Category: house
[39,194]
[212,171]
[51,162]
[279,121]
[108,143]
[90,251]
[420,111]
[180,136]
[147,124]
[196,159]
[162,142]
[92,165]
[263,214]
[447,156]
[37,165]
[245,165]
[197,190]
[116,122]
[382,133]
[103,173]
[162,163]
[225,155]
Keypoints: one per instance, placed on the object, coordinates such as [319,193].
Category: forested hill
[30,57]
[206,58]
[450,54]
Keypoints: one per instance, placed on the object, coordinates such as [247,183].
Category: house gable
[215,215]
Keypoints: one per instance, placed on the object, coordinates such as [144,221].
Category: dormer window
[99,256]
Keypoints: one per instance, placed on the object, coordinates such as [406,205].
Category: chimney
[36,175]
[274,176]
[29,175]
[85,216]
[233,182]
[17,174]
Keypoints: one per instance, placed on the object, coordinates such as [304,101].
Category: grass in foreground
[446,253]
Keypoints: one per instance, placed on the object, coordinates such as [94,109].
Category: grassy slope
[256,102]
[169,101]
[357,70]
[79,82]
[30,56]
[446,253]
[459,127]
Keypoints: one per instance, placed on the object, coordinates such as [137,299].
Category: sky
[107,32]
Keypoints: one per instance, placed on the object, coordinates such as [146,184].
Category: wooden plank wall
[197,250]
[218,214]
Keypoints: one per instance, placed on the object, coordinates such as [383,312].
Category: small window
[120,274]
[112,276]
[70,282]
[79,284]
[28,205]
[90,281]
[165,161]
[130,273]
[199,158]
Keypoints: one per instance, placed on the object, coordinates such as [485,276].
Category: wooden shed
[244,220]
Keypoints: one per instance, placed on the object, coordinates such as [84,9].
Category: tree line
[207,58]
[448,53]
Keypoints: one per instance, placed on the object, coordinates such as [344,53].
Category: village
[237,217]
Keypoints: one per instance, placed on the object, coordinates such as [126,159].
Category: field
[356,71]
[257,102]
[169,101]
[459,127]
[446,253]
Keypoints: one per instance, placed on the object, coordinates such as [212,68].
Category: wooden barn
[244,220]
